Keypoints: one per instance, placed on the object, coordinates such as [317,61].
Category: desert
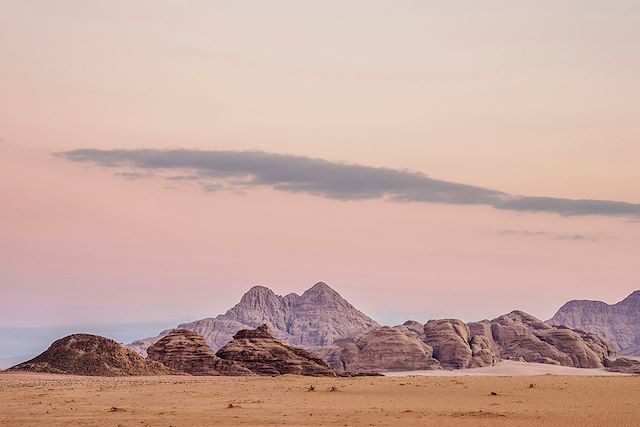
[55,400]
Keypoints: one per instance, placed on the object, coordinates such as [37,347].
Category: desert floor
[51,400]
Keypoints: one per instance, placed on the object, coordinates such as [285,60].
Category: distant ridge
[316,318]
[618,322]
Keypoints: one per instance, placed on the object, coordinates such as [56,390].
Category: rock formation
[449,339]
[623,365]
[619,322]
[84,354]
[258,351]
[187,352]
[416,327]
[521,336]
[454,346]
[316,318]
[381,349]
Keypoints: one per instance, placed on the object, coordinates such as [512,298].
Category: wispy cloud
[214,170]
[529,233]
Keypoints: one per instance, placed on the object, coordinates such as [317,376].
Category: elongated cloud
[245,169]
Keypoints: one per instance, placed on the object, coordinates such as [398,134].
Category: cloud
[244,169]
[529,233]
[132,175]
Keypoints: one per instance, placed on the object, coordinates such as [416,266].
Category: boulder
[187,352]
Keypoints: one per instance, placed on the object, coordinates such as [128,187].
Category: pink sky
[530,100]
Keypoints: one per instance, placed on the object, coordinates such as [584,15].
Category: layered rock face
[316,318]
[454,346]
[187,352]
[449,339]
[258,351]
[619,322]
[84,354]
[521,336]
[381,349]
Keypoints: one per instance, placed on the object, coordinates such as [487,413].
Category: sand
[52,400]
[511,368]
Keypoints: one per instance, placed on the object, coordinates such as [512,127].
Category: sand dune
[52,400]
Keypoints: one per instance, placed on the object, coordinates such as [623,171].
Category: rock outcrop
[316,318]
[454,346]
[186,351]
[623,365]
[92,355]
[521,336]
[258,351]
[619,322]
[449,339]
[379,350]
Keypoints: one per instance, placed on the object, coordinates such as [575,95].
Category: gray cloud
[529,233]
[132,175]
[297,174]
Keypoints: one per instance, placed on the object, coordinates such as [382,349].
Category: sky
[425,159]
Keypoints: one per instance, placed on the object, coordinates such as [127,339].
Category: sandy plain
[492,400]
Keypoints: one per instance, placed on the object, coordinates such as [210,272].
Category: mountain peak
[321,293]
[258,289]
[321,287]
[634,297]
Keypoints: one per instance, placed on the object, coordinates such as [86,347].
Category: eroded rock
[187,352]
[258,351]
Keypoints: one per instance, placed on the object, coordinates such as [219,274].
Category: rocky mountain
[84,354]
[258,351]
[619,322]
[186,351]
[316,318]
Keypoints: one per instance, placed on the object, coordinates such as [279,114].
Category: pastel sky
[454,139]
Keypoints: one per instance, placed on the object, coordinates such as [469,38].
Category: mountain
[84,354]
[316,318]
[618,322]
